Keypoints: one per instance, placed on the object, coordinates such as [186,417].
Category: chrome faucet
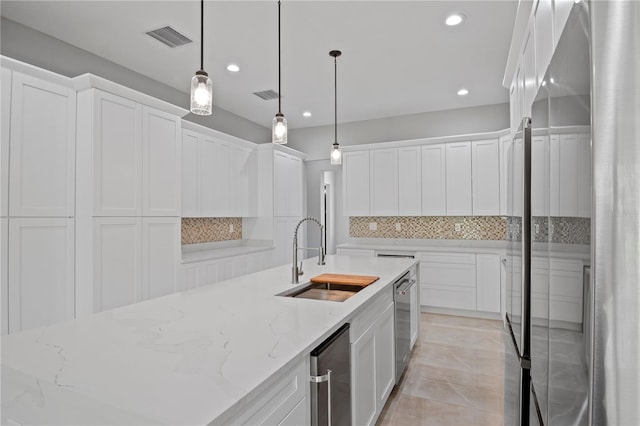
[295,271]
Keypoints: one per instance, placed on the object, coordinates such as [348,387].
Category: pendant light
[279,127]
[201,85]
[336,153]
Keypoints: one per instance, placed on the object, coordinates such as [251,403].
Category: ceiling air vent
[170,37]
[267,94]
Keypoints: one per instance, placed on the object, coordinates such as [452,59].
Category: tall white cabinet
[37,173]
[128,196]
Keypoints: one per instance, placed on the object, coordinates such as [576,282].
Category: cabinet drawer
[461,258]
[448,275]
[444,297]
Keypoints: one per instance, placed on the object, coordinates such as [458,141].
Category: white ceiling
[398,56]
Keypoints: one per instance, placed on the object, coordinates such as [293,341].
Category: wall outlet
[398,227]
[373,226]
[536,227]
[231,228]
[458,227]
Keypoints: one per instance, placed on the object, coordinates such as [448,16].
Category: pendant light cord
[202,34]
[335,97]
[279,66]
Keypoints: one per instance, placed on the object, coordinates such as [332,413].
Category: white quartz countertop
[186,358]
[201,252]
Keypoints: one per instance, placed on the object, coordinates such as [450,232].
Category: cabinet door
[543,19]
[4,276]
[384,182]
[294,189]
[488,282]
[161,167]
[117,156]
[117,262]
[211,272]
[363,378]
[528,69]
[409,181]
[415,313]
[385,356]
[458,170]
[584,175]
[191,276]
[355,172]
[568,175]
[191,154]
[540,176]
[486,177]
[516,177]
[211,199]
[41,278]
[280,171]
[5,110]
[434,180]
[160,256]
[505,143]
[42,146]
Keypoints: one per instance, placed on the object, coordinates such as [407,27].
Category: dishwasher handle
[321,379]
[404,286]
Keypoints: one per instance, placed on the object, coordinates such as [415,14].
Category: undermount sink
[323,291]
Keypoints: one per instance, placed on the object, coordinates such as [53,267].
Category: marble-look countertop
[186,358]
[559,251]
[209,251]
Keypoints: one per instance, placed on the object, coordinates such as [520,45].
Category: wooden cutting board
[361,280]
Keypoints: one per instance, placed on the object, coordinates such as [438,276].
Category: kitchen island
[197,357]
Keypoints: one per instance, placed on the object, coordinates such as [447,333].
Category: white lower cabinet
[448,280]
[488,283]
[135,258]
[414,323]
[40,272]
[283,400]
[372,359]
[4,278]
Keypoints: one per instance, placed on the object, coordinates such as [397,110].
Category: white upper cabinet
[434,188]
[458,172]
[42,147]
[486,177]
[161,163]
[570,175]
[41,278]
[529,71]
[505,143]
[384,182]
[584,175]
[117,155]
[288,177]
[409,181]
[219,177]
[540,176]
[5,109]
[355,170]
[191,171]
[543,21]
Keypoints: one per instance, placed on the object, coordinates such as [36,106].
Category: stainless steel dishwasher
[402,299]
[331,380]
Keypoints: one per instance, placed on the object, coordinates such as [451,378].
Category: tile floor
[454,376]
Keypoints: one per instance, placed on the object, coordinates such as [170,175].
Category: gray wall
[316,141]
[28,45]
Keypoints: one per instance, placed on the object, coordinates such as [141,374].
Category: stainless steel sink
[323,291]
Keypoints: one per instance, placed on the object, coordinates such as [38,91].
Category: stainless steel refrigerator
[547,359]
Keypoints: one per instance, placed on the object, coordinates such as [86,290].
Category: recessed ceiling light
[463,92]
[454,19]
[306,114]
[233,68]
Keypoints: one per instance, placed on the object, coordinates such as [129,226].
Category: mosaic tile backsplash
[563,230]
[430,227]
[197,230]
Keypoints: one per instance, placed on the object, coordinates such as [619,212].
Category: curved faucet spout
[295,271]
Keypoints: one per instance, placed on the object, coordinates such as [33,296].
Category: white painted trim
[90,81]
[35,71]
[427,141]
[281,148]
[216,134]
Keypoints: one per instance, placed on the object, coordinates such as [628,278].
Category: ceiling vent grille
[267,94]
[170,37]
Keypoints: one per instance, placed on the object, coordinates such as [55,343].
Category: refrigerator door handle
[321,379]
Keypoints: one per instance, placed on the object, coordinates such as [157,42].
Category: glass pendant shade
[201,94]
[336,155]
[279,130]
